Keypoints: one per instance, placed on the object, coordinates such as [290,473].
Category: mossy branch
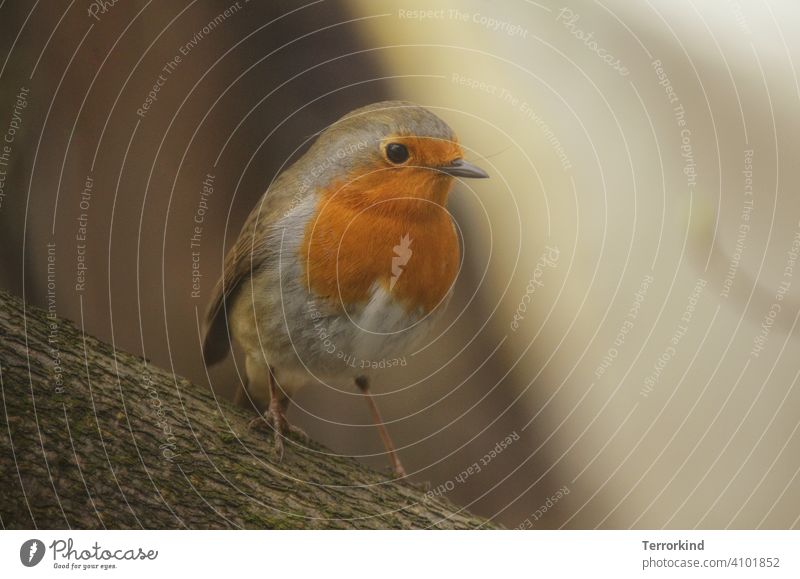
[93,438]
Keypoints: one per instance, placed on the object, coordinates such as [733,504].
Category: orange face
[351,241]
[402,186]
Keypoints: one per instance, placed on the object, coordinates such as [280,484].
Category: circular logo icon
[31,552]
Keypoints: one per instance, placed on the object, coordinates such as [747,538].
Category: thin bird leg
[238,396]
[363,384]
[275,417]
[276,414]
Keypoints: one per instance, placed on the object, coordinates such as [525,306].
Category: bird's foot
[298,433]
[275,422]
[399,471]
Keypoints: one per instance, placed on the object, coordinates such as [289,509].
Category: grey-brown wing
[240,262]
[243,260]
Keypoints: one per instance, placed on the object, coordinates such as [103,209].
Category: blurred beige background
[624,329]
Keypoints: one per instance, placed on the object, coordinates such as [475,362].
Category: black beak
[460,168]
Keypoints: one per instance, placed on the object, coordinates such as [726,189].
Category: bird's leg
[363,384]
[275,417]
[238,396]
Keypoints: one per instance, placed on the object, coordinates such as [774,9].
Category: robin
[346,261]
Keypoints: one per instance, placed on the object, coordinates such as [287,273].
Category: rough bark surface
[93,437]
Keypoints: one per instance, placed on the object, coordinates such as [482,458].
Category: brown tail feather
[217,341]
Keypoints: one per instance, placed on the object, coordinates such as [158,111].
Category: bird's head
[391,156]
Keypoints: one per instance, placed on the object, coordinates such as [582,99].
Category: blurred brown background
[626,313]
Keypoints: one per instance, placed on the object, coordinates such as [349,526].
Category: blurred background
[621,350]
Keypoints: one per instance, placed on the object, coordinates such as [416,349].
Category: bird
[348,260]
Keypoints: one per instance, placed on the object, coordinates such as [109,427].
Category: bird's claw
[297,432]
[276,423]
[261,423]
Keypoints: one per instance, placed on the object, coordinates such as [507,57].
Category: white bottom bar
[401,554]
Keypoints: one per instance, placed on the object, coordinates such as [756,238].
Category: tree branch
[93,437]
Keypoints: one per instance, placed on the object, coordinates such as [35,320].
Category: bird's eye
[396,153]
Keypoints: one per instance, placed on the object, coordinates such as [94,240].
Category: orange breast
[362,234]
